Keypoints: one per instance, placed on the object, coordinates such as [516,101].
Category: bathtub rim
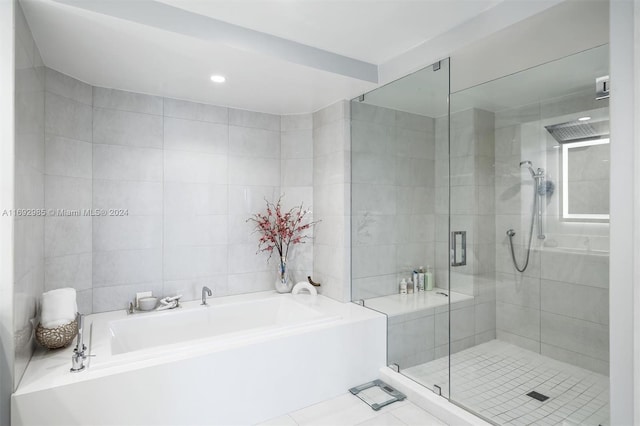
[48,370]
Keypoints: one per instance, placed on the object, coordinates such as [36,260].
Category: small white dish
[147,303]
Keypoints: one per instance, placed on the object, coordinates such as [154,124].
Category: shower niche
[515,329]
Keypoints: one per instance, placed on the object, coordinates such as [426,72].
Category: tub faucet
[78,357]
[206,291]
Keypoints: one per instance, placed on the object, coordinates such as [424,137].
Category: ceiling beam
[169,18]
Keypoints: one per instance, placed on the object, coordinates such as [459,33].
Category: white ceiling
[115,51]
[370,30]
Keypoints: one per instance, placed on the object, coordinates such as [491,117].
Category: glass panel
[399,193]
[529,185]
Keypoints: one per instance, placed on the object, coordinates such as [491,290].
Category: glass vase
[284,282]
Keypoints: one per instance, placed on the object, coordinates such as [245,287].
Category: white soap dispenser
[403,286]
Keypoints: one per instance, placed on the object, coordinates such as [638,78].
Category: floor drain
[538,396]
[377,394]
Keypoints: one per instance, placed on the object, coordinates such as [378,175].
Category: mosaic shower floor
[493,379]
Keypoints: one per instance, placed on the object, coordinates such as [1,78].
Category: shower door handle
[458,257]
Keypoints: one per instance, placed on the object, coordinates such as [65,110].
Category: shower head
[575,131]
[529,165]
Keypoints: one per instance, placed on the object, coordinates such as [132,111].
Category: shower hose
[511,233]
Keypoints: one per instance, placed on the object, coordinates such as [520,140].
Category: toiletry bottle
[415,280]
[428,277]
[403,286]
[410,286]
[421,277]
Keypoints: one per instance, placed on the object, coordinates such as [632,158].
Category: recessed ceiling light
[587,118]
[218,78]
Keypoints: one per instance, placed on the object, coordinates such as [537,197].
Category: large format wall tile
[127,163]
[67,118]
[127,101]
[126,266]
[248,142]
[184,198]
[566,283]
[254,171]
[257,120]
[195,262]
[69,87]
[584,269]
[127,233]
[188,176]
[518,320]
[195,111]
[195,136]
[68,157]
[114,127]
[576,301]
[61,192]
[195,167]
[118,297]
[72,270]
[575,335]
[138,198]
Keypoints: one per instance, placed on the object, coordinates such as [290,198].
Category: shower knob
[511,232]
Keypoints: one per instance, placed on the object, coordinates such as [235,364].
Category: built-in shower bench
[418,323]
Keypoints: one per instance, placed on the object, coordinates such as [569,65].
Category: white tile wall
[331,194]
[296,182]
[28,232]
[189,175]
[68,185]
[392,199]
[564,291]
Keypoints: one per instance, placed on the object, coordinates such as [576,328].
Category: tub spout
[206,291]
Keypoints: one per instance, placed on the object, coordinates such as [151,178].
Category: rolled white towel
[59,307]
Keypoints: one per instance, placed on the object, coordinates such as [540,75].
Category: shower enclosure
[502,189]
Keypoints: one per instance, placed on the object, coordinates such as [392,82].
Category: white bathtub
[242,360]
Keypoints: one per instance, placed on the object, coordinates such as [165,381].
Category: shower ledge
[419,304]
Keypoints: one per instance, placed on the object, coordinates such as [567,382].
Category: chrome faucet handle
[77,361]
[169,303]
[79,355]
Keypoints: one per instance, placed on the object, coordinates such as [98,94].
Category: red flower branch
[278,230]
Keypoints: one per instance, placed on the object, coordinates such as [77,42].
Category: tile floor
[349,410]
[493,379]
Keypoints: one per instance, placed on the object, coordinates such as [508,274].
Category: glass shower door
[399,207]
[529,185]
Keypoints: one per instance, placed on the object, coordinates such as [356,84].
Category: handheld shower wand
[536,213]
